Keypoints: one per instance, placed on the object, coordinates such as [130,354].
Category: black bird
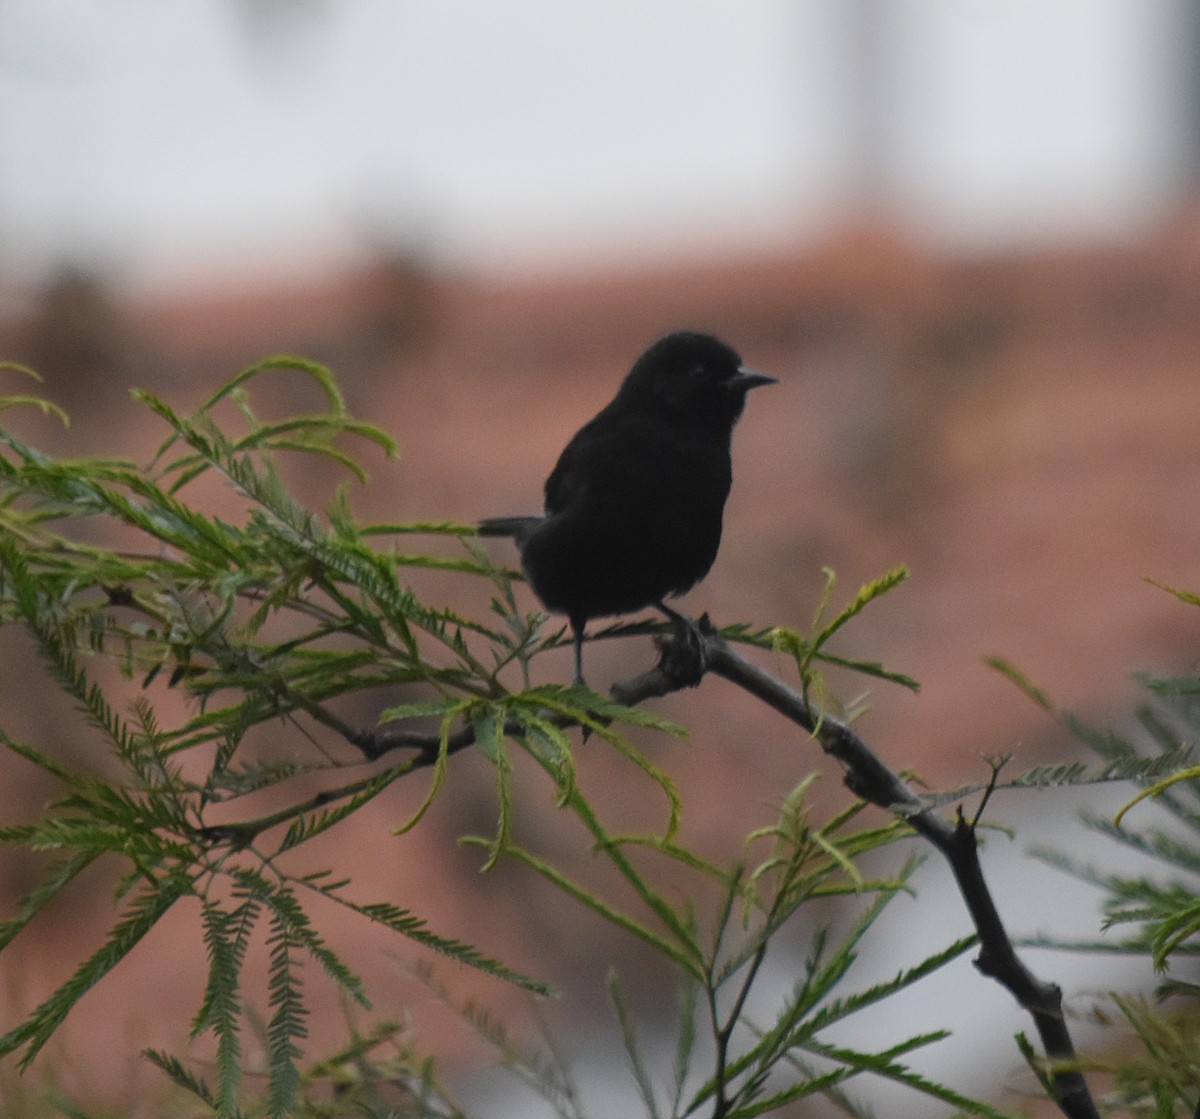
[634,504]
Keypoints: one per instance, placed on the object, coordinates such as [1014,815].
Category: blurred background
[965,236]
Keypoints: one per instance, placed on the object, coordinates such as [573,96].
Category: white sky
[196,133]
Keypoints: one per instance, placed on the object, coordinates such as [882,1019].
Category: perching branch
[868,777]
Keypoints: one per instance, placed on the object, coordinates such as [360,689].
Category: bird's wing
[632,459]
[578,461]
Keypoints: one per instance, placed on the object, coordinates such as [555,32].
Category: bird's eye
[697,374]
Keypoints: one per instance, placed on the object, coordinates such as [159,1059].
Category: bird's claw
[684,655]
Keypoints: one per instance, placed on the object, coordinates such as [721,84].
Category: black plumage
[634,505]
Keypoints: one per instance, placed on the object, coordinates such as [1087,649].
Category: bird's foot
[684,657]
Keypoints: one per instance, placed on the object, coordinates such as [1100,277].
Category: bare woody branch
[867,776]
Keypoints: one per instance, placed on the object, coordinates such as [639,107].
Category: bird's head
[694,377]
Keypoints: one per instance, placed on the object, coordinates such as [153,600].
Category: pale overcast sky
[195,133]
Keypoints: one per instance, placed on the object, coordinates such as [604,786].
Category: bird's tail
[517,527]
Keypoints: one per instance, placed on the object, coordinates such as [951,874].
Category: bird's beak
[747,379]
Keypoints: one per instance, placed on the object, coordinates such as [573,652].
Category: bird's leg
[577,628]
[684,659]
